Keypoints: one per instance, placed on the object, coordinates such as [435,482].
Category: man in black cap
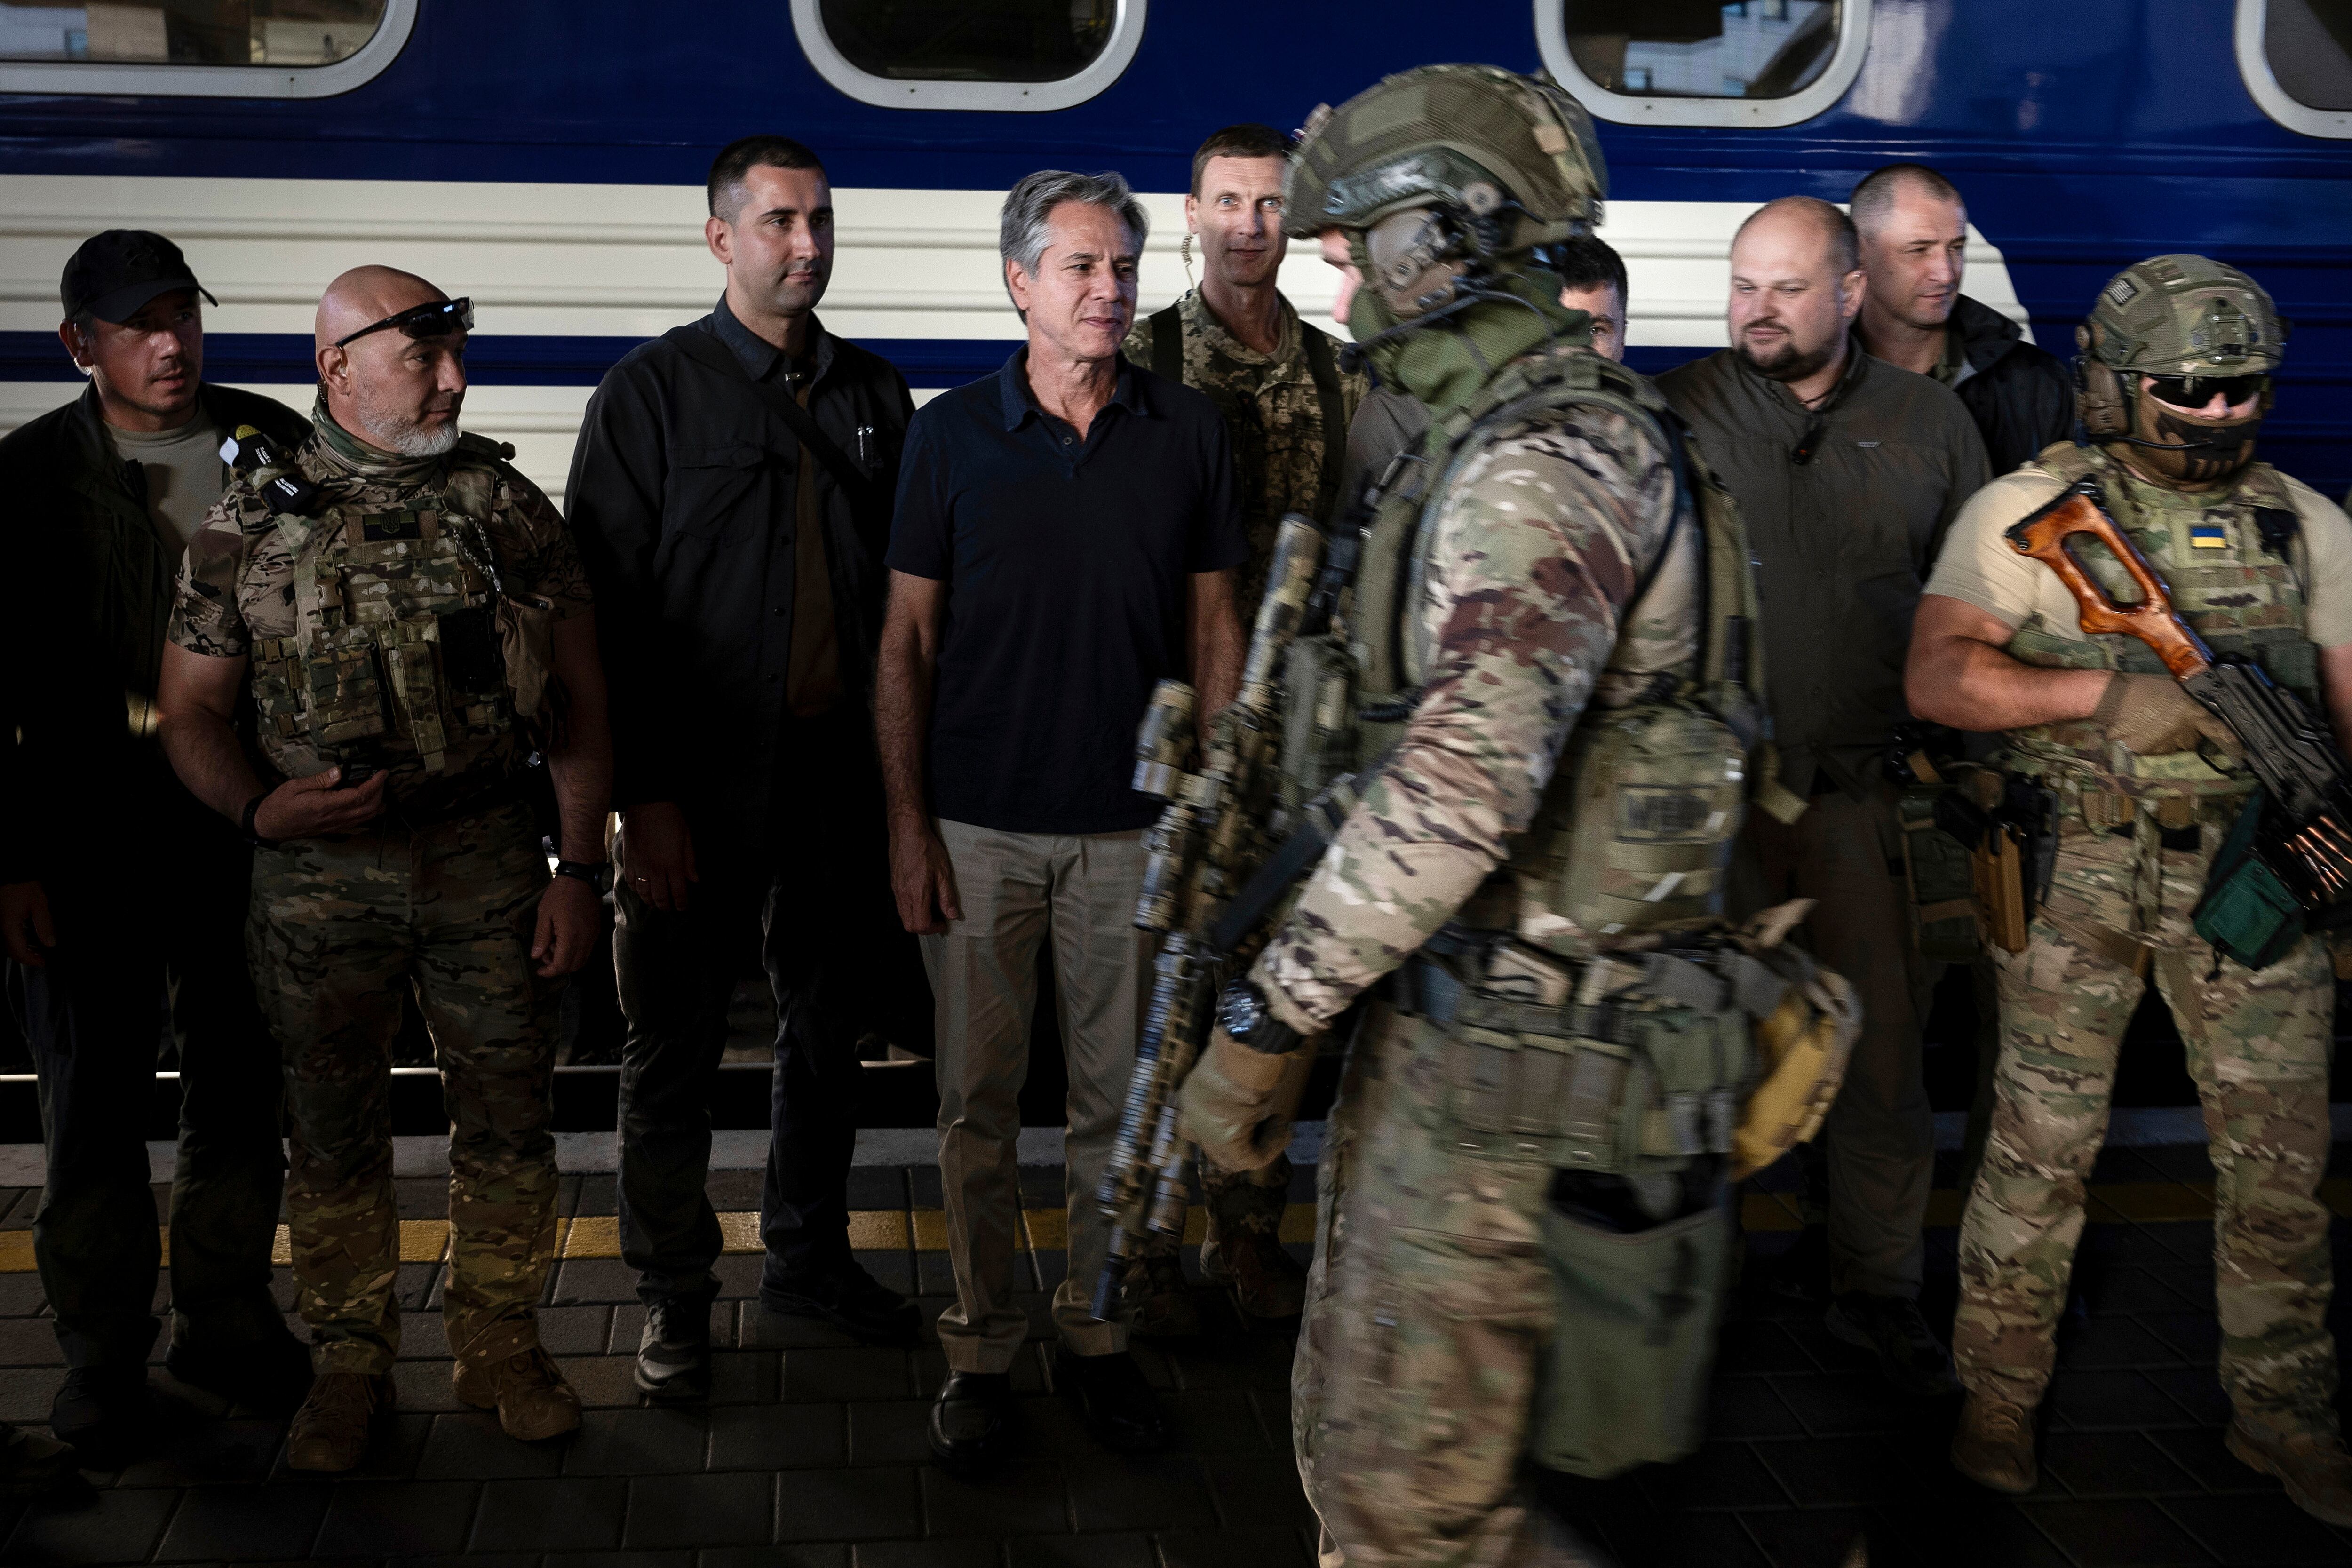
[117,889]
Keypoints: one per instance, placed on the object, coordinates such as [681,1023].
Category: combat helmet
[2181,326]
[1446,172]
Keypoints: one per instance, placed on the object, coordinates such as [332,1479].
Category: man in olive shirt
[1849,471]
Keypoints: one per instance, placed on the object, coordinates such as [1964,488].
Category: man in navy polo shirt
[1066,536]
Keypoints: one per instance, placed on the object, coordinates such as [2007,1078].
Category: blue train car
[544,157]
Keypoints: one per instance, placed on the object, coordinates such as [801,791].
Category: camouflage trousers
[1234,1202]
[339,932]
[1428,1307]
[2258,1045]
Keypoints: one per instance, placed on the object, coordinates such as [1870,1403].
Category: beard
[402,431]
[1787,363]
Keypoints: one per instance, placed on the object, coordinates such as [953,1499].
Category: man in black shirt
[1914,236]
[730,494]
[1066,535]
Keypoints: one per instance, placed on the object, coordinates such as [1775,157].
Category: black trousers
[131,930]
[815,909]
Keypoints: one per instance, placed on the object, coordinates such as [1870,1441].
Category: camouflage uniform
[369,625]
[1430,1302]
[2136,837]
[1287,460]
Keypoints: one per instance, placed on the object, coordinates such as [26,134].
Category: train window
[969,54]
[1705,62]
[2296,58]
[242,48]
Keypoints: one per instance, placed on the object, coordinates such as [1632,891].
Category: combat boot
[1160,1304]
[2313,1466]
[330,1431]
[1994,1444]
[527,1391]
[1245,1253]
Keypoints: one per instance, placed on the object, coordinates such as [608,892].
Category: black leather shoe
[1109,1390]
[106,1413]
[674,1352]
[272,1375]
[970,1420]
[847,1297]
[1910,1357]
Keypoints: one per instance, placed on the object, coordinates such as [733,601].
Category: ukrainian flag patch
[2208,536]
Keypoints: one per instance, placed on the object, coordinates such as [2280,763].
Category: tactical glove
[1237,1102]
[2150,714]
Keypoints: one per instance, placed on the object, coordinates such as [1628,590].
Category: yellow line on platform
[1047,1230]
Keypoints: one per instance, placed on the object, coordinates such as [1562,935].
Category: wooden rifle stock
[2048,536]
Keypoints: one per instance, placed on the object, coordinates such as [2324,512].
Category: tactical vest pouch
[346,698]
[527,638]
[1656,796]
[1624,1378]
[2247,910]
[1318,722]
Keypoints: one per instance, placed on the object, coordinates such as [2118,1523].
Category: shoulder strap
[714,357]
[1168,344]
[1321,366]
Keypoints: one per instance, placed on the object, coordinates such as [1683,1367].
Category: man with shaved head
[1915,235]
[415,625]
[1849,470]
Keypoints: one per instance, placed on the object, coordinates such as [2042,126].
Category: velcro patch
[2208,536]
[2122,292]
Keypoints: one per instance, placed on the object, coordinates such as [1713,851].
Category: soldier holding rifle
[2146,869]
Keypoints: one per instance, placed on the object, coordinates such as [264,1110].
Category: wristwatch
[597,874]
[1242,1012]
[251,815]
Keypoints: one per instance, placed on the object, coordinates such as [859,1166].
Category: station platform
[810,1452]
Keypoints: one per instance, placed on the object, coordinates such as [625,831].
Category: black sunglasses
[438,319]
[2197,391]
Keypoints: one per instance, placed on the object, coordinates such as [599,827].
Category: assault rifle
[1217,829]
[2307,827]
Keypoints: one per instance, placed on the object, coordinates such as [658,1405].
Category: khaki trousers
[1880,1137]
[1016,891]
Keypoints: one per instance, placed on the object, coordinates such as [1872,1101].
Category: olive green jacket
[83,640]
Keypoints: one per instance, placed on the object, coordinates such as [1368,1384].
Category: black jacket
[681,498]
[93,585]
[2021,397]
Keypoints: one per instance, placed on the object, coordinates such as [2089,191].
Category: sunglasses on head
[438,319]
[2197,391]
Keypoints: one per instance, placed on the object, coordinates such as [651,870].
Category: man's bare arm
[920,875]
[1216,636]
[2336,684]
[195,709]
[1958,674]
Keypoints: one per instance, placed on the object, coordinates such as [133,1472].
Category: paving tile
[923,1187]
[1232,1549]
[745,1377]
[2195,1337]
[1014,1500]
[928,1554]
[852,1504]
[771,1330]
[393,1452]
[580,1280]
[2201,1452]
[681,1559]
[868,1372]
[470,1446]
[777,1436]
[1719,1476]
[1681,1541]
[242,1524]
[1985,1532]
[737,1276]
[576,1330]
[2083,1401]
[554,1516]
[1080,1551]
[2251,1530]
[1842,1402]
[424,1386]
[1804,1538]
[2133,1289]
[26,1392]
[423,1336]
[20,1295]
[807,1554]
[379,1519]
[650,1441]
[1143,1492]
[737,1192]
[1212,1421]
[2117,1534]
[890,1432]
[2196,1390]
[728,1509]
[1749,1408]
[877,1186]
[2111,1341]
[893,1268]
[1751,1346]
[2111,1464]
[29,1341]
[209,1452]
[120,1527]
[603,1381]
[1256,1490]
[1252,1361]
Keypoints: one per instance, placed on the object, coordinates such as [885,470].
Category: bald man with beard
[414,621]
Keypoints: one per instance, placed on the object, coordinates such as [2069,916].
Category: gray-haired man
[1065,538]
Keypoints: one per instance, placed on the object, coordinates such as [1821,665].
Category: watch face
[1244,1012]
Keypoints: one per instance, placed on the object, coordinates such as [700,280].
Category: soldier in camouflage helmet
[2174,380]
[1542,589]
[1287,404]
[416,621]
